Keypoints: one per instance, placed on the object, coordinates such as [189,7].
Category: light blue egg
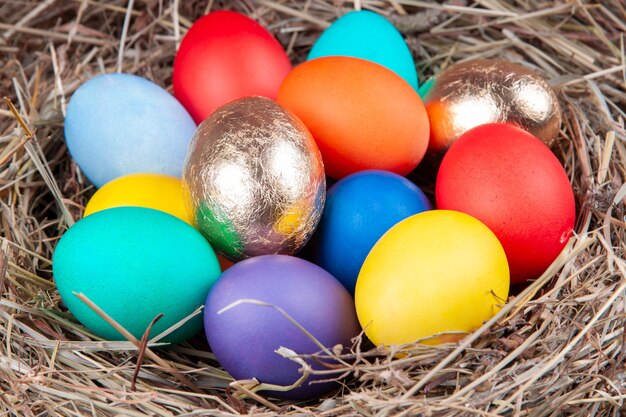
[119,124]
[367,35]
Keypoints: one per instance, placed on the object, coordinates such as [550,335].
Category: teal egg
[426,87]
[135,263]
[367,35]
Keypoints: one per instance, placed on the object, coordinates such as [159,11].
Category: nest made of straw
[556,348]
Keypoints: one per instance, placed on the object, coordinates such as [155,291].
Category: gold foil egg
[477,92]
[254,180]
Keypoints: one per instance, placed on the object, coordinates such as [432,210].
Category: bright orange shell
[362,115]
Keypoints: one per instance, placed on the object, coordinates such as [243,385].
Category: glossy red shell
[512,182]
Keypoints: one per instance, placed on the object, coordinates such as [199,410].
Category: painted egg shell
[367,35]
[244,338]
[431,278]
[512,182]
[135,263]
[156,191]
[225,56]
[119,124]
[477,92]
[254,180]
[361,114]
[359,209]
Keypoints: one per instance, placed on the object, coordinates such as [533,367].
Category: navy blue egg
[120,124]
[359,209]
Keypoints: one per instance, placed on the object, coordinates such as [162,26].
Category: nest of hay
[557,347]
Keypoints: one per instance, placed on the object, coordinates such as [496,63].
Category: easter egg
[135,263]
[359,209]
[244,337]
[367,35]
[254,180]
[425,88]
[225,56]
[361,114]
[477,92]
[119,124]
[512,182]
[430,278]
[156,191]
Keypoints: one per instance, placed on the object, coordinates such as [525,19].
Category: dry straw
[558,347]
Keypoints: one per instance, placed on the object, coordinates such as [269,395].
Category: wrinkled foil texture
[254,180]
[487,91]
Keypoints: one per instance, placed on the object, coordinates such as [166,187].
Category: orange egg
[362,115]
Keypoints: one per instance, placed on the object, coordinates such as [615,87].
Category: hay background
[557,348]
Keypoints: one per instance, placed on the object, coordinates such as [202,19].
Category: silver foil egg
[254,180]
[476,92]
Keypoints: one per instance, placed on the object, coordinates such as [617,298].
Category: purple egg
[245,337]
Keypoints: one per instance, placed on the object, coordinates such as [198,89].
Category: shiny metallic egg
[477,92]
[254,180]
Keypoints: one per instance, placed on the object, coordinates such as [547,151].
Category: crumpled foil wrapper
[254,180]
[476,92]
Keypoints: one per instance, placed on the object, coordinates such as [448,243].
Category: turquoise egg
[367,35]
[426,87]
[135,263]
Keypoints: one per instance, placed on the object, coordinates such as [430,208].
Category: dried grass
[557,348]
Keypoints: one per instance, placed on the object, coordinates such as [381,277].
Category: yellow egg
[439,271]
[155,191]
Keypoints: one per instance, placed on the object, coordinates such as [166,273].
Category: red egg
[512,182]
[225,56]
